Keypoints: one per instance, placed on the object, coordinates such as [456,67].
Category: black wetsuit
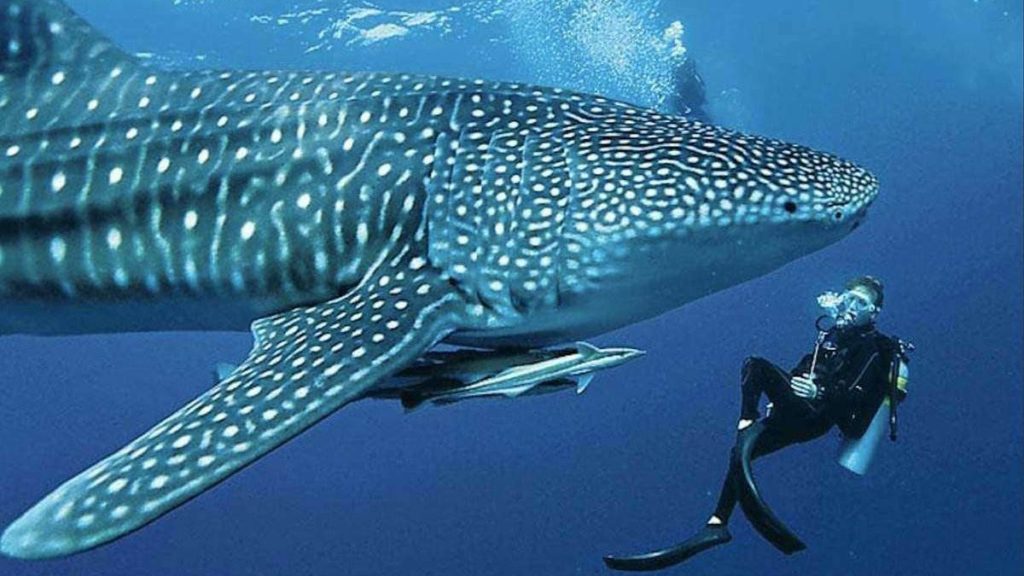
[689,98]
[853,375]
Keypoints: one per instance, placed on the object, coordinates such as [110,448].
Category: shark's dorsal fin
[586,349]
[52,65]
[44,35]
[59,75]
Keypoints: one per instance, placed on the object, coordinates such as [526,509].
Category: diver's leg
[771,440]
[726,501]
[782,428]
[759,376]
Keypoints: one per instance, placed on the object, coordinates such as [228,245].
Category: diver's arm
[805,384]
[805,387]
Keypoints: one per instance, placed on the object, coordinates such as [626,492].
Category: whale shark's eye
[838,215]
[789,206]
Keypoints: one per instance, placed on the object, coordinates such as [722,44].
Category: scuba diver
[689,96]
[853,379]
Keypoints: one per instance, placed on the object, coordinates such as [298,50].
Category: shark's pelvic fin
[305,364]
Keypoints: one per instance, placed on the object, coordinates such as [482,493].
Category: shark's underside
[354,220]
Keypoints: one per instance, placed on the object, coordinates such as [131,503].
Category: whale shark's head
[676,175]
[669,210]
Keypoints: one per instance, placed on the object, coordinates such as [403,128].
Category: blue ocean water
[926,94]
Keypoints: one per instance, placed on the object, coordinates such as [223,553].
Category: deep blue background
[926,94]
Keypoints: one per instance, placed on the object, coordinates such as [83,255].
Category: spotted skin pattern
[359,219]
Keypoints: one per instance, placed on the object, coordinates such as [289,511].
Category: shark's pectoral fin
[305,364]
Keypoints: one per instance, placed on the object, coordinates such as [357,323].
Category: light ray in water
[616,48]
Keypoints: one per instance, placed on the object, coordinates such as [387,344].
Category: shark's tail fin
[47,53]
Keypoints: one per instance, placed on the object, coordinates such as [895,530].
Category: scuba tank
[856,454]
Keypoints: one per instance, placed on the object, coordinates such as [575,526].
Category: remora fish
[358,219]
[573,368]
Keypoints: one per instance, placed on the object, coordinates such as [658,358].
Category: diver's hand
[804,387]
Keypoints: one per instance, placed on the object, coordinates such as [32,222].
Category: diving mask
[850,308]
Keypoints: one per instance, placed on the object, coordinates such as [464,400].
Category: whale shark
[351,222]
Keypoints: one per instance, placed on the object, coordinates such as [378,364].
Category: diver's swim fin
[755,508]
[708,537]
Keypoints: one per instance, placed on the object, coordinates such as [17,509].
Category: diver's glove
[804,387]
